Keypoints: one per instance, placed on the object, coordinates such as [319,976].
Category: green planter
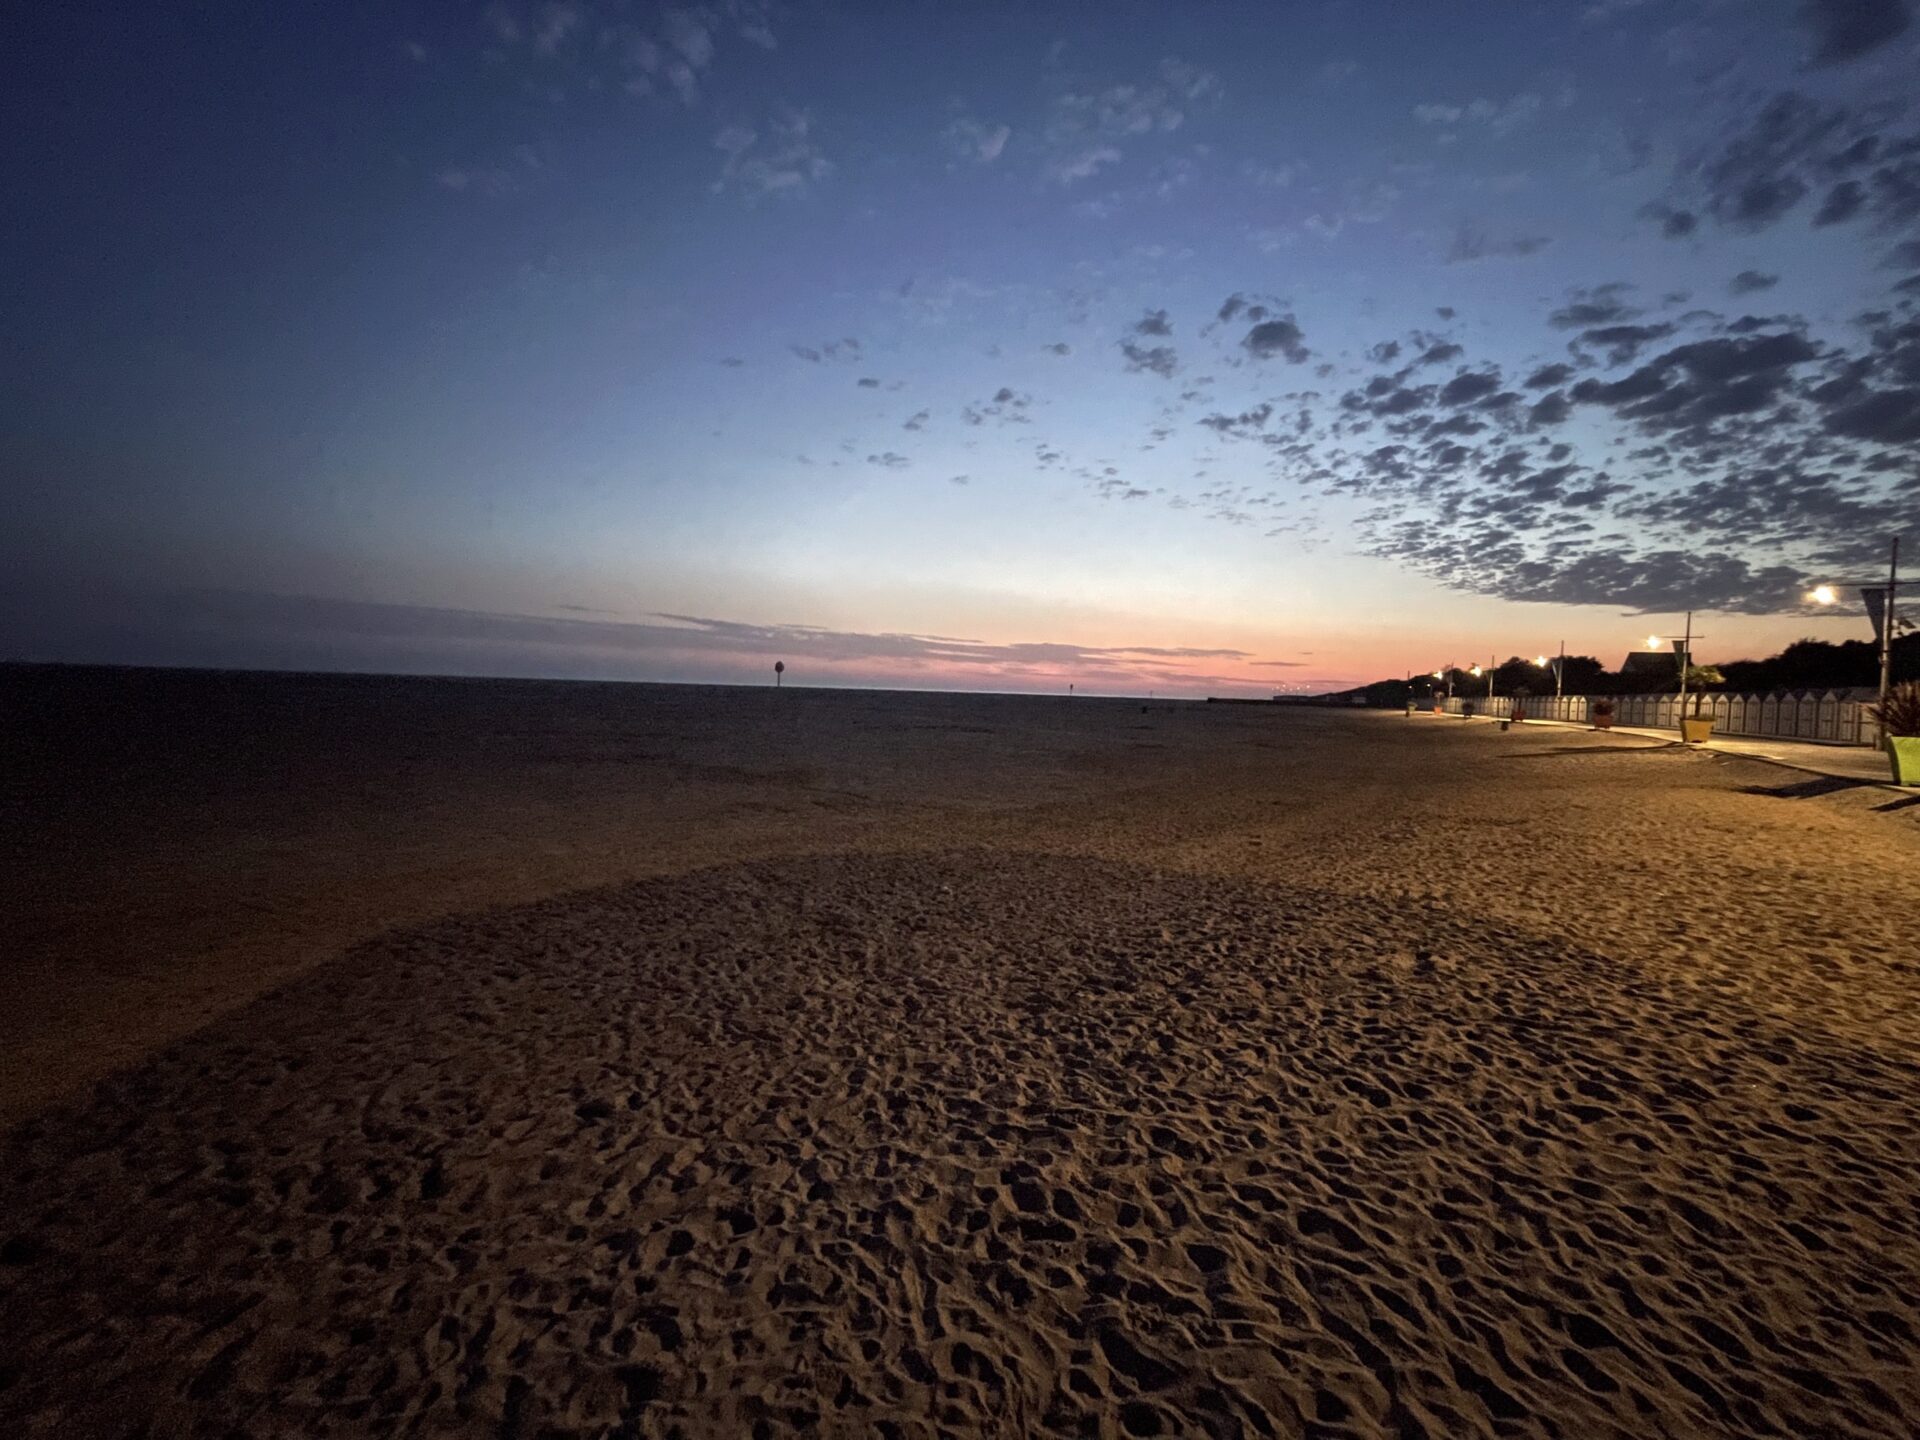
[1904,751]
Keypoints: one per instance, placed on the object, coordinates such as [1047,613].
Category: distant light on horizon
[1822,595]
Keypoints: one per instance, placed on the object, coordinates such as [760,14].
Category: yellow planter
[1695,729]
[1904,751]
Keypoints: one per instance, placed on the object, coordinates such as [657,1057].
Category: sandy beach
[481,1058]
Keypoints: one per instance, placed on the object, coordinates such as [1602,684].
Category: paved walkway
[1842,762]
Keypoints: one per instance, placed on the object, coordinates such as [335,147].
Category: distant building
[1655,669]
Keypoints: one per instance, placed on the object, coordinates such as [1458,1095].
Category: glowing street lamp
[1682,655]
[1881,608]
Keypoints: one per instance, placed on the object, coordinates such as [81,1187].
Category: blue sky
[1196,347]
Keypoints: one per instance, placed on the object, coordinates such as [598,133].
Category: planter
[1695,729]
[1904,751]
[1603,722]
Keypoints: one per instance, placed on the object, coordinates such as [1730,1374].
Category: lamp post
[1884,620]
[1547,662]
[1683,653]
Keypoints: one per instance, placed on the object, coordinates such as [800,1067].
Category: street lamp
[1683,655]
[1880,609]
[1559,666]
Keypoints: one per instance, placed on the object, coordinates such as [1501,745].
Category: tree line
[1815,665]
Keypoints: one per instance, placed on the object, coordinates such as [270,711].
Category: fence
[1832,718]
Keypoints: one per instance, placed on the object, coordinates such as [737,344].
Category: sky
[1193,348]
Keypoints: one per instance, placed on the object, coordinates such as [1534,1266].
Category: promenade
[1857,763]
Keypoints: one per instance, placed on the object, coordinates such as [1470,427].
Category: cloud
[1847,29]
[982,144]
[782,159]
[1468,388]
[1549,409]
[1085,127]
[641,51]
[1749,282]
[1793,146]
[1082,164]
[1279,336]
[846,348]
[1160,359]
[501,178]
[1844,201]
[889,460]
[1008,406]
[1472,245]
[1675,223]
[1153,323]
[1593,305]
[241,628]
[1623,342]
[1501,117]
[917,421]
[1059,347]
[1243,425]
[1358,202]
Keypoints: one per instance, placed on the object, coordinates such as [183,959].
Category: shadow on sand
[1808,789]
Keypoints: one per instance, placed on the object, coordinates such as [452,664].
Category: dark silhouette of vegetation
[1899,713]
[1805,665]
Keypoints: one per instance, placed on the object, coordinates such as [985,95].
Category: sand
[1082,1070]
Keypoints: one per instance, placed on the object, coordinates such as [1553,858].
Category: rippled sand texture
[981,1142]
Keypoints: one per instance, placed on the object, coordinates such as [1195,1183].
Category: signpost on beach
[779,669]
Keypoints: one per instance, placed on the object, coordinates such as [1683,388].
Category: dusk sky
[1198,348]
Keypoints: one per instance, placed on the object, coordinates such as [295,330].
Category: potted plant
[1695,728]
[1603,714]
[1899,719]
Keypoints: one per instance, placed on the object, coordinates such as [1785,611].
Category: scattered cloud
[1086,126]
[846,348]
[1470,245]
[781,158]
[1279,336]
[970,139]
[1847,29]
[1160,359]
